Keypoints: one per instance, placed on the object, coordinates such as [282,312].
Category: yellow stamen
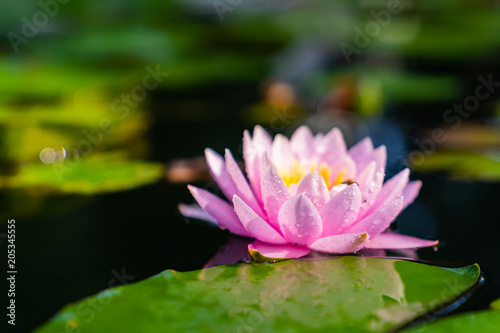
[299,171]
[340,178]
[325,171]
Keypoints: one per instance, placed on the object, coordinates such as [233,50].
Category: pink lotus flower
[307,193]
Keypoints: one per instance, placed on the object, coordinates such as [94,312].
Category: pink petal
[380,157]
[331,147]
[380,220]
[392,189]
[346,166]
[410,192]
[318,141]
[250,155]
[195,212]
[220,210]
[255,225]
[314,187]
[337,189]
[217,167]
[366,175]
[278,251]
[265,162]
[345,243]
[242,188]
[396,241]
[281,153]
[302,142]
[274,194]
[261,139]
[341,210]
[299,220]
[361,153]
[370,192]
[253,149]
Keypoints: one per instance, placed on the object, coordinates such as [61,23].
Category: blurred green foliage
[64,78]
[462,164]
[496,304]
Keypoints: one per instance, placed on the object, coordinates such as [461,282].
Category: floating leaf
[471,322]
[87,176]
[463,164]
[338,294]
[84,118]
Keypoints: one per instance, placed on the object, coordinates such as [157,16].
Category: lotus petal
[410,192]
[255,225]
[274,194]
[341,211]
[314,187]
[302,143]
[196,212]
[361,153]
[242,187]
[299,220]
[220,210]
[380,220]
[344,243]
[397,241]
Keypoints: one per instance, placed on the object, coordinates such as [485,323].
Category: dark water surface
[69,247]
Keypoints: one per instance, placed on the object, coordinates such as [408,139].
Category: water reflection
[236,251]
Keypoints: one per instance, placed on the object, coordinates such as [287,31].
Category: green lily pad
[337,294]
[85,177]
[463,164]
[25,132]
[471,322]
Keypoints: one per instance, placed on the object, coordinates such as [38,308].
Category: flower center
[300,170]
